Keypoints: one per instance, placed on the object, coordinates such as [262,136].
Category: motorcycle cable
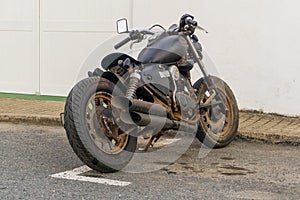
[157,25]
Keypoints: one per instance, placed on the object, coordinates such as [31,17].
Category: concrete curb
[245,132]
[31,119]
[269,128]
[269,138]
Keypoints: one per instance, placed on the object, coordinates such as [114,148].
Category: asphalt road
[31,154]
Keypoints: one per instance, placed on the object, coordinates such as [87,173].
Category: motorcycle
[106,112]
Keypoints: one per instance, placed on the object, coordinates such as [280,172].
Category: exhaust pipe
[144,113]
[163,123]
[134,105]
[151,120]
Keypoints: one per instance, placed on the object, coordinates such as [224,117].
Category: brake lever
[138,40]
[133,42]
[202,29]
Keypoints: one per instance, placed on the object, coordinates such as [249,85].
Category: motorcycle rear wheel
[91,129]
[218,123]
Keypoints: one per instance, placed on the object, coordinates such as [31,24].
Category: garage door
[70,30]
[18,46]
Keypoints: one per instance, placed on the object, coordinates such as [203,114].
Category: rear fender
[115,79]
[109,76]
[112,60]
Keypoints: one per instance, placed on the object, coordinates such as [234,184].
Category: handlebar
[134,35]
[190,21]
[122,43]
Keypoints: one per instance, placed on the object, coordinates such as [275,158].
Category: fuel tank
[169,49]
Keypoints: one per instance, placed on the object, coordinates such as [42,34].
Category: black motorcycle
[148,96]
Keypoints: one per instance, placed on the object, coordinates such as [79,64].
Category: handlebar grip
[122,43]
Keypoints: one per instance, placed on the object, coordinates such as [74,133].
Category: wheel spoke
[213,118]
[102,127]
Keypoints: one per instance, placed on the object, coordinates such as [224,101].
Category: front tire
[90,127]
[218,123]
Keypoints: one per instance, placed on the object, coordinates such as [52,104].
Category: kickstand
[152,141]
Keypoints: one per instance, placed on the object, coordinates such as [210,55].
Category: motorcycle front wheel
[219,113]
[91,129]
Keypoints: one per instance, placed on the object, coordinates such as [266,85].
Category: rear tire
[94,137]
[218,124]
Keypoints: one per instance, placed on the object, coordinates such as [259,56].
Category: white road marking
[74,175]
[162,143]
[170,141]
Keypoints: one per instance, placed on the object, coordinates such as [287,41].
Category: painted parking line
[75,175]
[170,141]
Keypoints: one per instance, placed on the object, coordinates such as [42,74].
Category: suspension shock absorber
[135,78]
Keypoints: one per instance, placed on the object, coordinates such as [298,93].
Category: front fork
[207,78]
[212,89]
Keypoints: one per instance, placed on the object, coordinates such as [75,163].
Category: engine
[187,105]
[185,98]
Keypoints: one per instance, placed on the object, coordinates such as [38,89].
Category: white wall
[18,69]
[70,30]
[253,43]
[256,47]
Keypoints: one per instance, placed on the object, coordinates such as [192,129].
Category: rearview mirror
[122,26]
